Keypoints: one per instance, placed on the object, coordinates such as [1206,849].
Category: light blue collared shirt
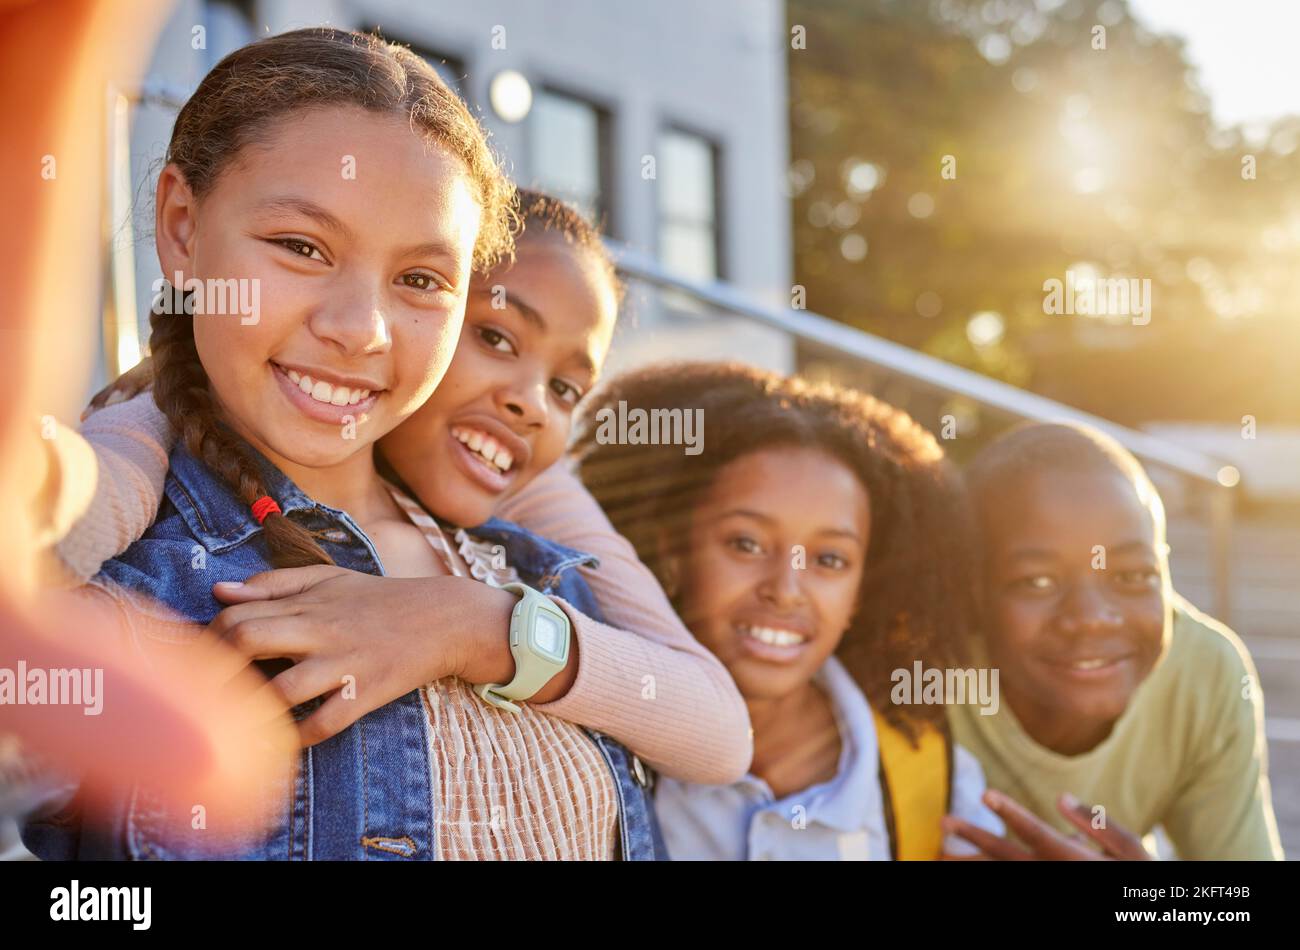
[841,819]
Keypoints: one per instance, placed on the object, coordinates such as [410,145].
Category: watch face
[548,635]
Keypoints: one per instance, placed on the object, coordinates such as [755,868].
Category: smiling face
[1073,639]
[742,594]
[536,333]
[361,280]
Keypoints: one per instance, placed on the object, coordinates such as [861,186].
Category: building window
[687,177]
[569,151]
[229,25]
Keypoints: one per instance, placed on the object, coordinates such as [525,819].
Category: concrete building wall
[717,69]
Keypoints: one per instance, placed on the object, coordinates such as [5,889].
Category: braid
[180,388]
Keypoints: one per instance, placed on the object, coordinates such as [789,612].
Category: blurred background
[875,191]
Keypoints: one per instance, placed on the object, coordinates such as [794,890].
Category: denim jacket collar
[218,519]
[539,554]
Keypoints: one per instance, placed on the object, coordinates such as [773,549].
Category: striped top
[514,786]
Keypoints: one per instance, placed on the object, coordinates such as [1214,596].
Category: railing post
[1221,516]
[121,327]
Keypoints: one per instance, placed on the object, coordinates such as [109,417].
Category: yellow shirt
[1188,753]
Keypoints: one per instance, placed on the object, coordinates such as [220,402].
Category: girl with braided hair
[363,283]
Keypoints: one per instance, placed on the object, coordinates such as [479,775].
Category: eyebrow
[1141,547]
[291,205]
[758,516]
[526,310]
[1043,554]
[431,249]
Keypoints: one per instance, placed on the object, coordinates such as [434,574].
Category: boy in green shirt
[1114,690]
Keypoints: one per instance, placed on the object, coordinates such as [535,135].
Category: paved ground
[1266,614]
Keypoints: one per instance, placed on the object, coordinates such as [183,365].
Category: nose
[782,587]
[523,400]
[353,321]
[1087,610]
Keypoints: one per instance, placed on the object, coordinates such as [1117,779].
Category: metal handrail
[933,372]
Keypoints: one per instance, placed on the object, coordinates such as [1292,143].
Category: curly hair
[540,213]
[238,101]
[918,598]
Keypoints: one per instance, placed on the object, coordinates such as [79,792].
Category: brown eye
[495,340]
[424,281]
[567,392]
[301,248]
[1143,579]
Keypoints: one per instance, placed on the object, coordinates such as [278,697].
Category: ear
[175,222]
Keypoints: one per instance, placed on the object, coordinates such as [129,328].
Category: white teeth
[779,638]
[487,448]
[322,391]
[1088,664]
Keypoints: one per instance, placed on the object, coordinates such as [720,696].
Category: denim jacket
[363,794]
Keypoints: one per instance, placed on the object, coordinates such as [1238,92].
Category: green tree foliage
[1066,156]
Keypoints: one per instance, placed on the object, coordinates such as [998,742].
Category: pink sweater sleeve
[642,678]
[131,442]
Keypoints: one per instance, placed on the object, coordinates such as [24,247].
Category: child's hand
[360,640]
[127,386]
[182,716]
[1042,842]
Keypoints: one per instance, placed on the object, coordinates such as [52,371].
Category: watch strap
[532,672]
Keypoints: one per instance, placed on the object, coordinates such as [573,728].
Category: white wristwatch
[539,642]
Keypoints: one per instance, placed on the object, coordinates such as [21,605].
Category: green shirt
[1188,754]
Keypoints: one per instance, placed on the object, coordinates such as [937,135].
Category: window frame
[717,154]
[606,217]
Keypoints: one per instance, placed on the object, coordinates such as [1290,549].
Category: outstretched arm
[104,484]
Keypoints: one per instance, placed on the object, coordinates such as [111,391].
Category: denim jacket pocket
[159,831]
